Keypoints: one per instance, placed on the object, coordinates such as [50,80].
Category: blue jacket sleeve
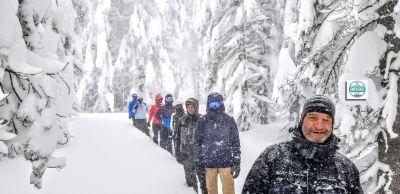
[130,107]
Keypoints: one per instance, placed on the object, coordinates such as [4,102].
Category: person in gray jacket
[140,116]
[184,131]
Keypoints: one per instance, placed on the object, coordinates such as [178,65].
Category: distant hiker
[165,114]
[131,110]
[156,123]
[184,131]
[310,162]
[140,116]
[178,114]
[216,146]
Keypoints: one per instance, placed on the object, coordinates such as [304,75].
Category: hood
[194,102]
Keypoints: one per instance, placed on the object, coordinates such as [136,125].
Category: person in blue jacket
[216,146]
[131,105]
[165,116]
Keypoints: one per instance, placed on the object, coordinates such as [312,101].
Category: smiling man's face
[317,127]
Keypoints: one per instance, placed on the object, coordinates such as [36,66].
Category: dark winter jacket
[165,114]
[184,134]
[179,113]
[216,140]
[300,166]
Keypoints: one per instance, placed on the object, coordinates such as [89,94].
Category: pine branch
[12,86]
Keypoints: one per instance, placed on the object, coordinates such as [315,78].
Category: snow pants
[156,130]
[190,173]
[166,139]
[228,186]
[201,176]
[191,170]
[141,125]
[133,121]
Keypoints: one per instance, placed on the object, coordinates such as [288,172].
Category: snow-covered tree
[240,43]
[158,54]
[95,86]
[335,41]
[40,58]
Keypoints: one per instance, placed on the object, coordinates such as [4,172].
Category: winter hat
[318,103]
[215,101]
[134,95]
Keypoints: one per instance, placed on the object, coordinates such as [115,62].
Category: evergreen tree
[331,40]
[241,41]
[40,60]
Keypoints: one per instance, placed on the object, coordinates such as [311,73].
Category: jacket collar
[315,151]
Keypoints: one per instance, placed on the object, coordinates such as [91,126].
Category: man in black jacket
[179,113]
[310,162]
[184,131]
[216,146]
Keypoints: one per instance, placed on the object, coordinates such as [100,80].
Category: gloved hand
[235,170]
[148,124]
[130,116]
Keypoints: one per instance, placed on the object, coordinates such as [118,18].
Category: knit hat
[318,103]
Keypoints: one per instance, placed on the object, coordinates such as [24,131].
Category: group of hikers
[208,146]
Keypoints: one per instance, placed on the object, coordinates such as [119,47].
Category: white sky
[107,155]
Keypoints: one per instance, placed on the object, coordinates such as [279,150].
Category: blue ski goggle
[214,105]
[169,99]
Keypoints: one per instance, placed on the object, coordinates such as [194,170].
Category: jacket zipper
[307,174]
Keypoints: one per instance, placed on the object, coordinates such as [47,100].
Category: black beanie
[318,103]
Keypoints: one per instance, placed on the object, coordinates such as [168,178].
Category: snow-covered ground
[107,155]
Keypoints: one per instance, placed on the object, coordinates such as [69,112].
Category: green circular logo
[357,89]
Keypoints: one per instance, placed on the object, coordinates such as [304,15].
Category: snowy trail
[106,156]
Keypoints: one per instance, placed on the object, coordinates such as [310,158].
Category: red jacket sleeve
[151,113]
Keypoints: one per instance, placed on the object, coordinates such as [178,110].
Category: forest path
[106,155]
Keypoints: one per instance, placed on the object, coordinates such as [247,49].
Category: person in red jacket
[156,123]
